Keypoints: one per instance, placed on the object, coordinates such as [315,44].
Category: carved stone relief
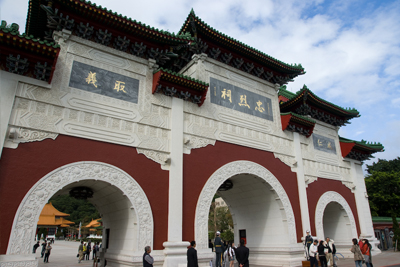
[218,177]
[309,179]
[192,142]
[349,185]
[21,135]
[323,201]
[24,225]
[161,158]
[290,161]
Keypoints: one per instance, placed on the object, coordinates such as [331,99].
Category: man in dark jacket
[242,255]
[192,255]
[219,249]
[147,259]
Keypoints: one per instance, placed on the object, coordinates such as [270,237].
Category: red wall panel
[203,162]
[316,189]
[21,168]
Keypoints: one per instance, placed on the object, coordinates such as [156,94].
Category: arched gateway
[24,225]
[227,171]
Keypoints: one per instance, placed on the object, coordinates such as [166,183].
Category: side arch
[323,201]
[27,216]
[225,172]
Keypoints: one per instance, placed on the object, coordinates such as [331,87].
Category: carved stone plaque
[233,97]
[324,143]
[104,82]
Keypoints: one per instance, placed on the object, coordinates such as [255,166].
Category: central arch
[27,216]
[227,171]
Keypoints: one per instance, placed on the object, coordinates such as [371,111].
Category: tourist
[88,249]
[231,254]
[147,259]
[192,255]
[43,248]
[47,252]
[80,252]
[210,245]
[242,254]
[313,253]
[308,240]
[330,256]
[95,249]
[84,250]
[366,251]
[322,251]
[219,249]
[358,257]
[35,247]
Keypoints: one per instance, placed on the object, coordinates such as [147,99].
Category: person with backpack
[366,251]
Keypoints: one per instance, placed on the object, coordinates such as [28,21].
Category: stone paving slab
[64,253]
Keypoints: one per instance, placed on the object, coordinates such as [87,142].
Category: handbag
[77,255]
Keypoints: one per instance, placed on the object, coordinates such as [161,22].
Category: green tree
[220,218]
[383,186]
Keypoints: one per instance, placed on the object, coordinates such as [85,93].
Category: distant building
[52,219]
[219,202]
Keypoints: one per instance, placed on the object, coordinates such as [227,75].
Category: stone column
[301,185]
[175,249]
[362,204]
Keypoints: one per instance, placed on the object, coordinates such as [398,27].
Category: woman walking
[231,254]
[358,257]
[366,251]
[321,253]
[47,253]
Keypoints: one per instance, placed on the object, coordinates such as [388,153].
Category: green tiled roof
[285,93]
[294,67]
[299,116]
[35,4]
[384,219]
[181,76]
[373,146]
[305,88]
[13,29]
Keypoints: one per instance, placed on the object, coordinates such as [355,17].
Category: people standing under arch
[358,257]
[147,259]
[322,251]
[313,252]
[219,249]
[231,254]
[366,251]
[35,247]
[43,248]
[192,255]
[308,240]
[242,254]
[88,249]
[47,252]
[80,252]
[330,256]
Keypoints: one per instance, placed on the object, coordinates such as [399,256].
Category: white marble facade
[163,129]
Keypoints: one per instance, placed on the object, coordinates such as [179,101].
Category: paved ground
[64,253]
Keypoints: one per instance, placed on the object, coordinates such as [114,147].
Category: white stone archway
[27,216]
[222,174]
[323,201]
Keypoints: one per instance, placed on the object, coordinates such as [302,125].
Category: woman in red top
[366,251]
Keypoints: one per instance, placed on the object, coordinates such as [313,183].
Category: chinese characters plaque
[324,144]
[233,97]
[104,82]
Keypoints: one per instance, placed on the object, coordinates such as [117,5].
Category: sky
[350,49]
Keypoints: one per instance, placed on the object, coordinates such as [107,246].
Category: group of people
[46,249]
[362,252]
[85,249]
[229,253]
[320,250]
[324,251]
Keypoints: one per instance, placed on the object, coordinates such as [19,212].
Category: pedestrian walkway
[63,254]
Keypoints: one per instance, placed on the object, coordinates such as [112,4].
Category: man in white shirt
[313,254]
